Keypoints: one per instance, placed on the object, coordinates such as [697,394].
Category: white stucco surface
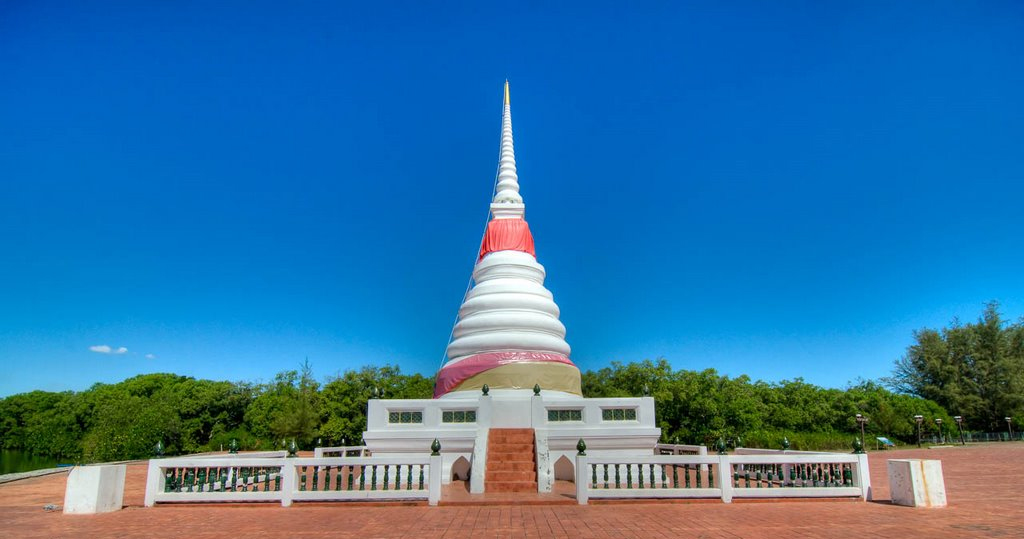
[95,489]
[917,483]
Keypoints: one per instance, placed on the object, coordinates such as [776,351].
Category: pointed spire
[507,190]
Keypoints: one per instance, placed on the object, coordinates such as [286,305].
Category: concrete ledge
[7,478]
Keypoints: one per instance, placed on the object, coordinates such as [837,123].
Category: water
[14,461]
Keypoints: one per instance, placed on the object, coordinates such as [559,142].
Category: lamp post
[1009,426]
[920,420]
[938,425]
[862,421]
[960,425]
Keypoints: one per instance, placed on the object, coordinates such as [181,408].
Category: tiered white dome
[509,310]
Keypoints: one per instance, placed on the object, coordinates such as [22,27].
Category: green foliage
[125,420]
[698,407]
[285,409]
[345,396]
[110,422]
[974,370]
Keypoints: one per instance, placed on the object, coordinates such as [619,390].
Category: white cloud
[107,349]
[150,356]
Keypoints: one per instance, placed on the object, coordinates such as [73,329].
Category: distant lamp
[920,420]
[1009,426]
[938,425]
[861,420]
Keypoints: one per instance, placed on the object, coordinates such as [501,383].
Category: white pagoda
[508,409]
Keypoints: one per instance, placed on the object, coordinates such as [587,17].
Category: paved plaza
[983,484]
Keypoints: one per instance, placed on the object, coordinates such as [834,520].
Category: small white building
[508,409]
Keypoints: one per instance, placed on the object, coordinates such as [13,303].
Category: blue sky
[223,191]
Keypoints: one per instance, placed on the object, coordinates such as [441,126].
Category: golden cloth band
[549,376]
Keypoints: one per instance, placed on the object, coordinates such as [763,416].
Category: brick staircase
[511,461]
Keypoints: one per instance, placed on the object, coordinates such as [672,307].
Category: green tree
[974,370]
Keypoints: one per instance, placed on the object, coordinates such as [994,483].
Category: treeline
[120,421]
[125,420]
[702,406]
[973,370]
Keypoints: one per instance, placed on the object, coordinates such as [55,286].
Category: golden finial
[507,101]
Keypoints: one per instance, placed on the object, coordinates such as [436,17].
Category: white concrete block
[95,489]
[917,483]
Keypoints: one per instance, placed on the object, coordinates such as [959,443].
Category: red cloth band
[507,235]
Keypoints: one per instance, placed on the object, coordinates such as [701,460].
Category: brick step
[518,464]
[510,438]
[511,486]
[511,448]
[501,476]
[509,456]
[512,466]
[518,467]
[511,435]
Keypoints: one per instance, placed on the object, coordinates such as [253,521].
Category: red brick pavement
[983,483]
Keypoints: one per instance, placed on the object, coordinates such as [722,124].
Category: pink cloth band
[450,376]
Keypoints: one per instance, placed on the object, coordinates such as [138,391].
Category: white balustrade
[680,449]
[780,475]
[287,480]
[341,451]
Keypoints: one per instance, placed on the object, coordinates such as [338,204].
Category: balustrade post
[155,481]
[582,486]
[288,471]
[863,477]
[436,469]
[725,478]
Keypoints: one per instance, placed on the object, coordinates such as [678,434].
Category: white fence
[289,480]
[680,449]
[780,475]
[341,451]
[242,455]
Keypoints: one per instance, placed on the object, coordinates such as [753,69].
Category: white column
[156,481]
[725,478]
[288,477]
[434,495]
[582,482]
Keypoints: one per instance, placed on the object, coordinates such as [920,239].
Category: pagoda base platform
[463,421]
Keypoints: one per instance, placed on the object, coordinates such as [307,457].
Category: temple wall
[560,420]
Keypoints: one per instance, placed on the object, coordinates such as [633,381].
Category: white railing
[341,451]
[758,451]
[680,449]
[723,476]
[287,480]
[239,455]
